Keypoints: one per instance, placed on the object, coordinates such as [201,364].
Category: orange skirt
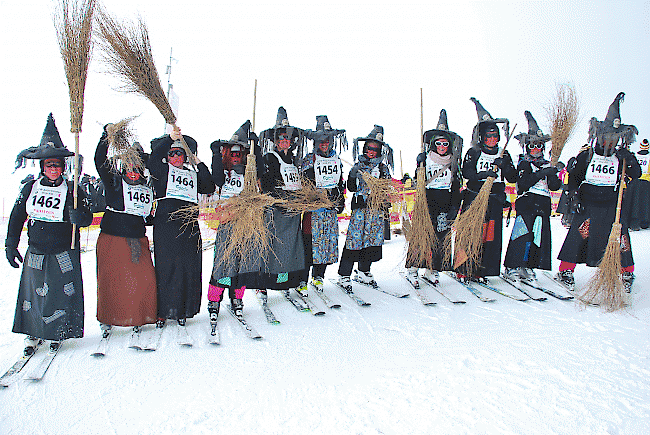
[126,290]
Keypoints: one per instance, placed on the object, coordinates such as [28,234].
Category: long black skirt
[636,204]
[178,261]
[50,299]
[530,243]
[587,238]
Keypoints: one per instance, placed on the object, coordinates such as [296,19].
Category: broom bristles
[308,198]
[563,115]
[119,142]
[466,239]
[606,286]
[127,52]
[421,236]
[74,33]
[382,191]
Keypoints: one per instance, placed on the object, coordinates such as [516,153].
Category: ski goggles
[53,165]
[176,152]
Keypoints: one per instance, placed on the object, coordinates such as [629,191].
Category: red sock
[628,269]
[565,265]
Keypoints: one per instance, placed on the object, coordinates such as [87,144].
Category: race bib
[182,184]
[138,199]
[442,181]
[327,172]
[289,174]
[602,171]
[375,172]
[486,163]
[644,161]
[233,185]
[46,203]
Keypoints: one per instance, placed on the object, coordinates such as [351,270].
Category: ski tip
[459,302]
[98,355]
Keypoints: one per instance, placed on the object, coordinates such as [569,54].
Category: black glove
[571,164]
[354,171]
[624,153]
[486,174]
[12,255]
[502,162]
[76,215]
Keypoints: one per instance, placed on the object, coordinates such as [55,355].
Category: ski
[309,304]
[437,287]
[517,285]
[421,294]
[321,294]
[134,339]
[348,291]
[40,370]
[502,293]
[535,284]
[102,346]
[262,298]
[298,304]
[476,292]
[248,329]
[375,286]
[183,337]
[11,375]
[154,339]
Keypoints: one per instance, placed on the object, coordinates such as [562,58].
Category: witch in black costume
[50,298]
[530,242]
[178,179]
[480,162]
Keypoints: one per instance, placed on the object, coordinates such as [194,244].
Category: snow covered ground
[396,367]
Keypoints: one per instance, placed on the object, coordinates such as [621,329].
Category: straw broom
[74,33]
[606,286]
[563,115]
[464,243]
[422,238]
[119,142]
[127,52]
[382,191]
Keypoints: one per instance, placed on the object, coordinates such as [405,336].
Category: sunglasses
[440,143]
[536,145]
[492,134]
[174,153]
[53,165]
[235,153]
[375,149]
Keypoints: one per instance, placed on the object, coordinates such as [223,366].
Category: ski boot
[237,307]
[512,273]
[366,278]
[302,289]
[317,282]
[54,346]
[528,274]
[566,278]
[213,309]
[628,280]
[344,282]
[160,323]
[30,345]
[413,277]
[432,275]
[181,322]
[480,280]
[106,330]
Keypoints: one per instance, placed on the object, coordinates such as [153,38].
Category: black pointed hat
[485,120]
[442,130]
[297,135]
[612,125]
[51,146]
[534,134]
[241,137]
[324,132]
[376,135]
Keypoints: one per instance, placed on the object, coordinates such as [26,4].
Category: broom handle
[76,186]
[421,123]
[620,196]
[254,109]
[193,158]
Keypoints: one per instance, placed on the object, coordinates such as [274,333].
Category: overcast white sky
[360,63]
